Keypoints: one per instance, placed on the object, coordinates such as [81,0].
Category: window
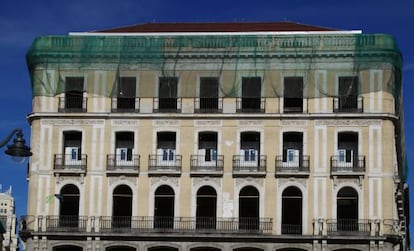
[124,146]
[72,142]
[250,146]
[206,208]
[209,94]
[249,208]
[74,101]
[122,207]
[207,146]
[292,211]
[69,206]
[251,95]
[347,209]
[292,148]
[293,95]
[126,94]
[166,142]
[347,149]
[167,94]
[164,207]
[347,100]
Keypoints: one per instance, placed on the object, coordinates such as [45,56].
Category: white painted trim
[197,131]
[359,191]
[236,196]
[110,197]
[219,198]
[154,187]
[166,129]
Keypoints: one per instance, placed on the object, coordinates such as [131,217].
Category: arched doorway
[122,207]
[120,248]
[206,208]
[164,207]
[67,248]
[69,206]
[292,211]
[249,208]
[347,209]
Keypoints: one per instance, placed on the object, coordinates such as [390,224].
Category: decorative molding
[125,122]
[302,181]
[357,180]
[80,178]
[169,122]
[171,180]
[348,122]
[251,122]
[202,180]
[243,181]
[294,123]
[72,122]
[115,179]
[207,122]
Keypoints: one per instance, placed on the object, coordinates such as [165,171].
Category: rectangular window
[293,95]
[348,93]
[74,93]
[209,93]
[124,146]
[251,94]
[167,93]
[126,93]
[72,142]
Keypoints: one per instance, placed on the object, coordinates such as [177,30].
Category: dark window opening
[348,148]
[292,147]
[205,249]
[69,206]
[248,249]
[292,211]
[126,93]
[207,145]
[162,248]
[164,207]
[251,93]
[74,93]
[249,208]
[167,93]
[72,142]
[206,208]
[120,248]
[250,146]
[124,145]
[122,207]
[347,209]
[348,93]
[166,145]
[209,93]
[67,248]
[293,95]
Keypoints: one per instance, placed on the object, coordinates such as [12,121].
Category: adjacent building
[7,221]
[216,136]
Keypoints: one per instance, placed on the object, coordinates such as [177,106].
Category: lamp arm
[7,139]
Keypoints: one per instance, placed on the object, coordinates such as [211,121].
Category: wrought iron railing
[296,164]
[168,105]
[71,103]
[351,104]
[291,228]
[251,164]
[250,104]
[208,105]
[200,163]
[160,162]
[70,163]
[125,104]
[348,226]
[66,223]
[118,162]
[339,164]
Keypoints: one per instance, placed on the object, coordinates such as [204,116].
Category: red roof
[217,27]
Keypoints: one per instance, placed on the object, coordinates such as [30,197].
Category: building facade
[8,220]
[216,136]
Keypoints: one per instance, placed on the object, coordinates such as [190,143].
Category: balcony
[191,225]
[125,104]
[66,223]
[210,167]
[348,227]
[65,164]
[250,166]
[297,166]
[159,164]
[208,105]
[72,104]
[167,105]
[250,105]
[353,167]
[348,105]
[294,229]
[117,164]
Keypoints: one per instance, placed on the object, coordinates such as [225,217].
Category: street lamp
[18,148]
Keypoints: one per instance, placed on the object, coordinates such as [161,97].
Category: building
[8,221]
[216,136]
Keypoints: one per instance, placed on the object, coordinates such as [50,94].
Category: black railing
[70,163]
[208,105]
[250,164]
[351,104]
[172,105]
[206,164]
[71,103]
[293,105]
[250,104]
[125,104]
[348,226]
[119,162]
[66,223]
[298,163]
[160,162]
[339,164]
[185,224]
[291,228]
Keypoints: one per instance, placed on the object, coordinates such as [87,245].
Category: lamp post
[19,147]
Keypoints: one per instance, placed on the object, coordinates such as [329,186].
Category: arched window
[67,248]
[249,208]
[164,207]
[292,211]
[247,249]
[347,209]
[122,207]
[120,248]
[69,206]
[162,248]
[206,208]
[205,249]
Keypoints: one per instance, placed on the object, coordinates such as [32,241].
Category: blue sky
[23,20]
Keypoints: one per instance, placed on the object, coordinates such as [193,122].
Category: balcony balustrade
[200,165]
[125,104]
[348,227]
[120,164]
[251,104]
[208,105]
[71,103]
[350,104]
[295,229]
[66,223]
[167,105]
[251,166]
[354,166]
[297,165]
[159,164]
[70,165]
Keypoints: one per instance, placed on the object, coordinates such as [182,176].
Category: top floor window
[73,100]
[209,95]
[348,100]
[251,100]
[125,100]
[293,95]
[167,94]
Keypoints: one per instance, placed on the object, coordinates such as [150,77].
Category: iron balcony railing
[164,163]
[350,104]
[120,162]
[208,105]
[206,164]
[291,229]
[340,165]
[70,163]
[72,104]
[168,105]
[64,223]
[125,104]
[185,224]
[251,164]
[251,104]
[348,227]
[293,164]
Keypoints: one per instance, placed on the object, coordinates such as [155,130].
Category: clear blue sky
[23,20]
